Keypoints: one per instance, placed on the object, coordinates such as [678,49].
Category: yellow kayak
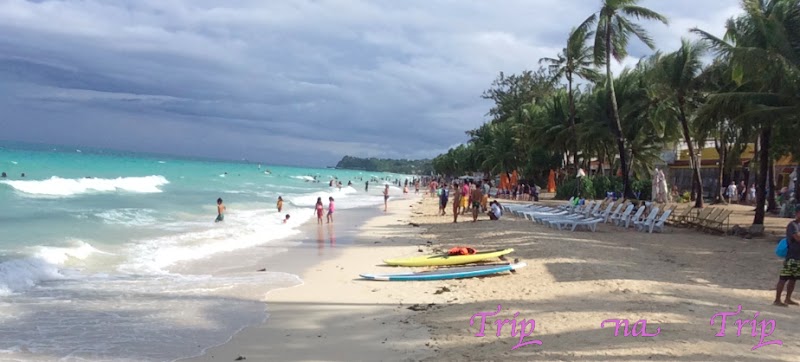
[445,259]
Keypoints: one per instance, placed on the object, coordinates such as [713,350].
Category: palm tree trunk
[720,193]
[797,185]
[617,126]
[763,166]
[772,205]
[572,122]
[698,181]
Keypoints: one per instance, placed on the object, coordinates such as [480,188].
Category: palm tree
[764,54]
[576,59]
[614,28]
[678,79]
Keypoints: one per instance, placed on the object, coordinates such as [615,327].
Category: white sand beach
[676,281]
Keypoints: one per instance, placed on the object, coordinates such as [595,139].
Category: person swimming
[287,218]
[220,210]
[3,175]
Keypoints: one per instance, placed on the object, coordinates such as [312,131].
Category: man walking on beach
[477,196]
[456,201]
[465,197]
[385,198]
[791,266]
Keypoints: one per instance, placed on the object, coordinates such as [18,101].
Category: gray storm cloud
[292,82]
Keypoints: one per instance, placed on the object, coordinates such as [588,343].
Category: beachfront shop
[741,168]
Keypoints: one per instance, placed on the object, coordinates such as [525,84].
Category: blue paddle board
[447,273]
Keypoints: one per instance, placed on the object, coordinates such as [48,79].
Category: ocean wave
[304,178]
[241,229]
[56,186]
[43,264]
[128,217]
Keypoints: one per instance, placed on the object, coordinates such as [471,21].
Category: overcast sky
[299,82]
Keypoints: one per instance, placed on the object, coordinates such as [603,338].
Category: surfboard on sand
[445,259]
[447,273]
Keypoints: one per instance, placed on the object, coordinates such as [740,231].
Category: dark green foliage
[420,167]
[645,187]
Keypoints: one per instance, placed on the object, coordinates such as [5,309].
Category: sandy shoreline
[333,315]
[675,281]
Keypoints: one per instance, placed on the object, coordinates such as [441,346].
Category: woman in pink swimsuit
[330,210]
[319,210]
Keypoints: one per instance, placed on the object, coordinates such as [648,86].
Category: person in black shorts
[476,197]
[790,271]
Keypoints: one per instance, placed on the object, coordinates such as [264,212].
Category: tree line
[735,88]
[408,167]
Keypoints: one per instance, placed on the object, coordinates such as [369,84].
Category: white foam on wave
[164,318]
[304,178]
[42,264]
[128,217]
[63,187]
[346,197]
[241,229]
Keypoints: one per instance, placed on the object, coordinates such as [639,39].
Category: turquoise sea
[88,238]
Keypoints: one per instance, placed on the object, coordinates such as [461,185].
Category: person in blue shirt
[444,194]
[790,271]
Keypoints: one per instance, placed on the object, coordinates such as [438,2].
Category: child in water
[280,203]
[220,210]
[330,210]
[286,219]
[318,208]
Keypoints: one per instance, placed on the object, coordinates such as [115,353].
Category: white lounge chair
[631,219]
[604,214]
[619,219]
[659,224]
[646,222]
[588,212]
[590,224]
[553,221]
[616,213]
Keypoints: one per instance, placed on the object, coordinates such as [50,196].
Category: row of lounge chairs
[645,218]
[591,214]
[708,219]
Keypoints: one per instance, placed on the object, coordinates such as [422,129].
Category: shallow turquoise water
[86,221]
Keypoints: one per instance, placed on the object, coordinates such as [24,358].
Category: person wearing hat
[790,271]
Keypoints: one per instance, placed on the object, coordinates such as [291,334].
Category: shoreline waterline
[100,243]
[312,264]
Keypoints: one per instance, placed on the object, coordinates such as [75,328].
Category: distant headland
[420,167]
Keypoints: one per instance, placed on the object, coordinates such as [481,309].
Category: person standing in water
[366,186]
[385,198]
[319,209]
[220,210]
[280,203]
[330,210]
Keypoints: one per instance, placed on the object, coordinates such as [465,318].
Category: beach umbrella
[514,177]
[551,181]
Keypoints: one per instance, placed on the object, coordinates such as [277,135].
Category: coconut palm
[677,78]
[575,60]
[763,51]
[614,28]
